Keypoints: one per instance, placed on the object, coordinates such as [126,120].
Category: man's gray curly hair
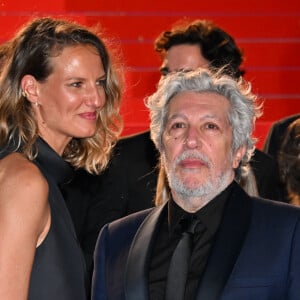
[243,112]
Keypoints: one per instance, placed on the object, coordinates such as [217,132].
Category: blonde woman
[59,108]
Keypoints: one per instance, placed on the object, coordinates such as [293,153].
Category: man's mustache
[193,154]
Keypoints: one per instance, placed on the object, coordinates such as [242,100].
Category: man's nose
[192,140]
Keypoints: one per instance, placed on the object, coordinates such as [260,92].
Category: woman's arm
[24,223]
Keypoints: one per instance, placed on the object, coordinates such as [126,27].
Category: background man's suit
[276,133]
[126,186]
[256,254]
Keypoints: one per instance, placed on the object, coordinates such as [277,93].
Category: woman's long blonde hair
[29,52]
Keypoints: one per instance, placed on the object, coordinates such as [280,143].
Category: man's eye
[178,126]
[211,126]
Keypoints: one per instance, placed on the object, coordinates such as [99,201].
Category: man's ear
[238,156]
[30,88]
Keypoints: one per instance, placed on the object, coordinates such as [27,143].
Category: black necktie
[179,265]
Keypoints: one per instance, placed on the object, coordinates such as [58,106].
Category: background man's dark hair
[217,46]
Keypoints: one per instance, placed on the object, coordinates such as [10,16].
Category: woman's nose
[95,97]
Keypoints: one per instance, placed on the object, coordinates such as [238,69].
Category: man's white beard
[207,190]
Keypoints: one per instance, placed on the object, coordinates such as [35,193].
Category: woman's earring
[24,94]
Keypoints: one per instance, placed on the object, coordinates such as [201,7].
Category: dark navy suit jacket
[256,254]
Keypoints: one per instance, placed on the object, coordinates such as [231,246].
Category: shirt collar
[210,215]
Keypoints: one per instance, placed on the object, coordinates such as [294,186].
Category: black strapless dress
[58,271]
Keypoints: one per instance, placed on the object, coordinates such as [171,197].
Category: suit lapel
[227,246]
[136,285]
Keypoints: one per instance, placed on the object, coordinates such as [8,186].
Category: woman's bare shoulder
[18,175]
[24,215]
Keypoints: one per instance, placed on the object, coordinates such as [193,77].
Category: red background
[268,31]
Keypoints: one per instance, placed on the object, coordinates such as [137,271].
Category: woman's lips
[89,115]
